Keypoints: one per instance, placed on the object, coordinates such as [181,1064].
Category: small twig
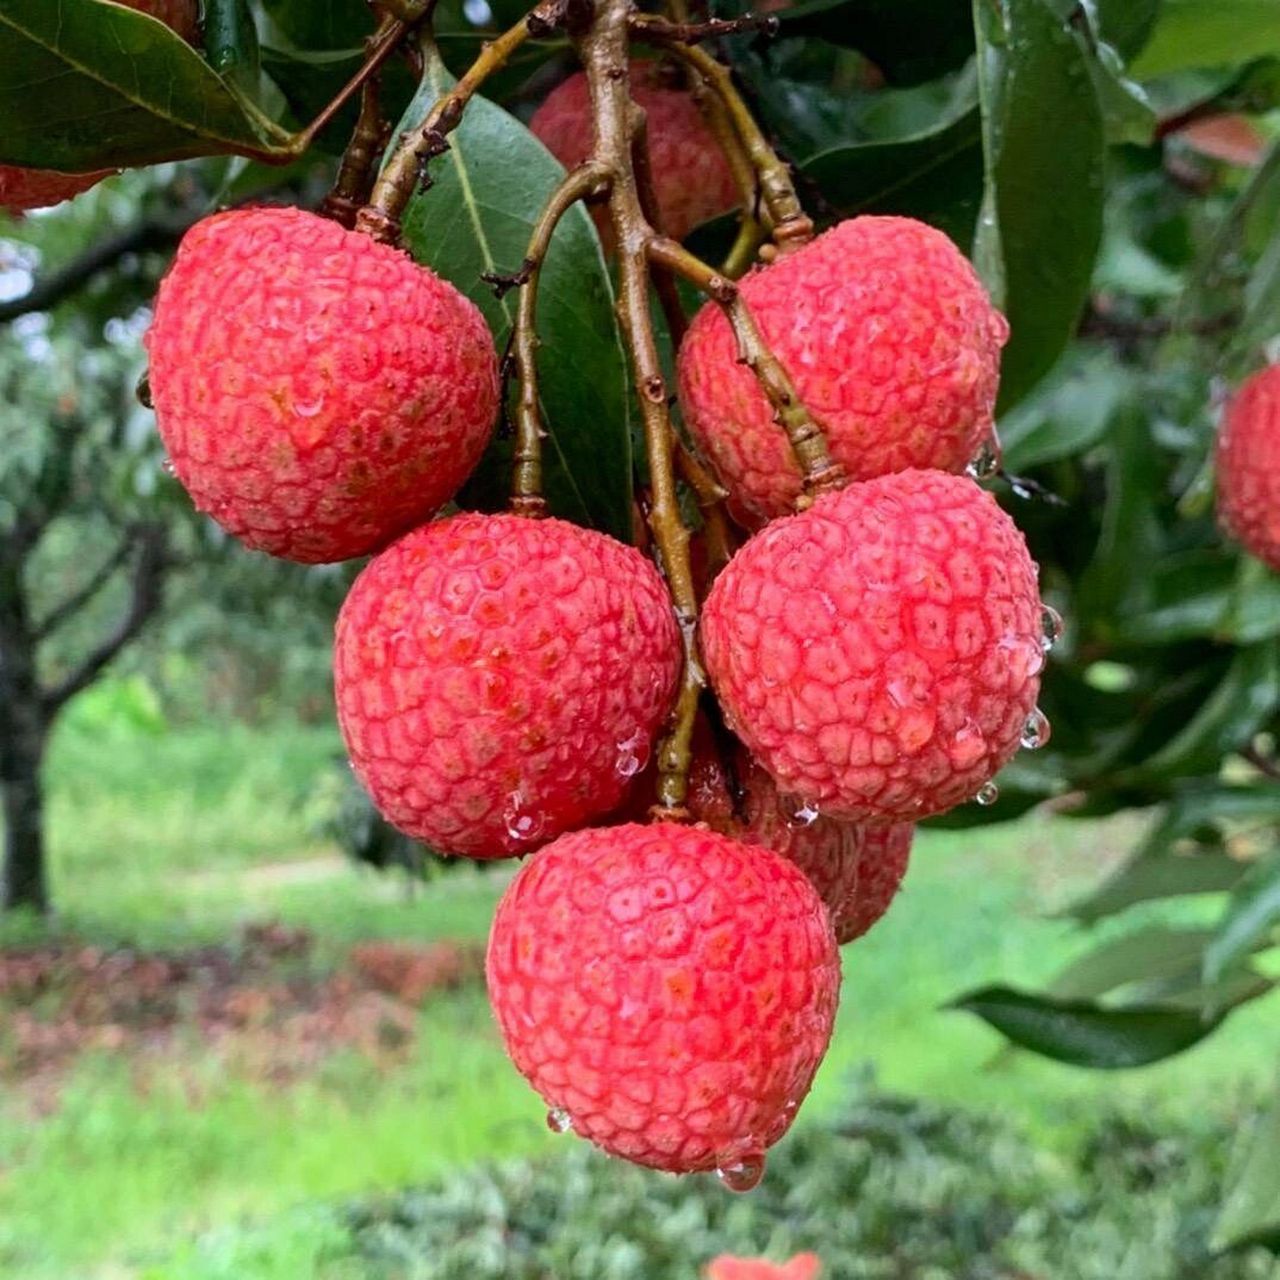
[77,600]
[766,24]
[791,226]
[360,159]
[526,479]
[407,166]
[1264,764]
[819,470]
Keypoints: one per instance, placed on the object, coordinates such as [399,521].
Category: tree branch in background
[145,597]
[77,600]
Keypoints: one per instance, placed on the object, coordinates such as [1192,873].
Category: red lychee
[23,189]
[804,1266]
[668,991]
[692,179]
[891,341]
[880,653]
[319,393]
[1249,466]
[500,680]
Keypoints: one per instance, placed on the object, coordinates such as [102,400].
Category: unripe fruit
[319,393]
[880,653]
[1249,466]
[891,341]
[500,680]
[23,189]
[692,179]
[668,991]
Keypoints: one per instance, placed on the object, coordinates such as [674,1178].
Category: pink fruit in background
[1249,466]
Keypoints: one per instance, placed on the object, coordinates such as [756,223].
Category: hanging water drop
[743,1173]
[1036,731]
[986,462]
[559,1120]
[987,795]
[1050,627]
[168,468]
[143,391]
[805,816]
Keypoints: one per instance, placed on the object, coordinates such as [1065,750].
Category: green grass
[169,838]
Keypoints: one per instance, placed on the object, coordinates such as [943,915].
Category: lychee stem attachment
[402,173]
[360,159]
[603,51]
[791,226]
[819,470]
[590,178]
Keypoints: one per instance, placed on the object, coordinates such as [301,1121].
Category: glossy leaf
[477,217]
[1252,914]
[231,42]
[86,85]
[335,24]
[935,176]
[1153,952]
[1044,142]
[1083,1033]
[1251,1211]
[1195,33]
[909,40]
[1127,24]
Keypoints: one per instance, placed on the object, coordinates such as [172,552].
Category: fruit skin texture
[891,341]
[804,1266]
[23,189]
[671,990]
[500,680]
[692,179]
[880,653]
[1249,466]
[856,869]
[318,393]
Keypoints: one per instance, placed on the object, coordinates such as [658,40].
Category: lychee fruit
[892,344]
[804,1266]
[501,680]
[668,991]
[692,179]
[22,189]
[880,653]
[856,869]
[319,393]
[1249,466]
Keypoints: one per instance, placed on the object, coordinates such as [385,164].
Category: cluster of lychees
[501,680]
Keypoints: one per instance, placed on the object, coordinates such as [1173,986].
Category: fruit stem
[791,226]
[603,50]
[379,47]
[588,179]
[360,159]
[417,148]
[808,443]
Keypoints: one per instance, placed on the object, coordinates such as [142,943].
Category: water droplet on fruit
[633,754]
[1036,731]
[986,462]
[166,465]
[987,795]
[742,1173]
[143,391]
[523,825]
[308,408]
[805,816]
[559,1120]
[351,764]
[1050,627]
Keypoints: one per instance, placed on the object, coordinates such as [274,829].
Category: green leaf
[335,24]
[1251,1211]
[1210,33]
[935,176]
[1044,144]
[477,217]
[231,42]
[1086,1034]
[1246,696]
[1252,913]
[86,85]
[1126,25]
[1159,951]
[909,40]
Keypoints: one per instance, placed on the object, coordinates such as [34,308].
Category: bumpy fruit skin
[319,393]
[500,680]
[691,177]
[1249,466]
[881,652]
[883,855]
[24,189]
[891,342]
[669,989]
[804,1266]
